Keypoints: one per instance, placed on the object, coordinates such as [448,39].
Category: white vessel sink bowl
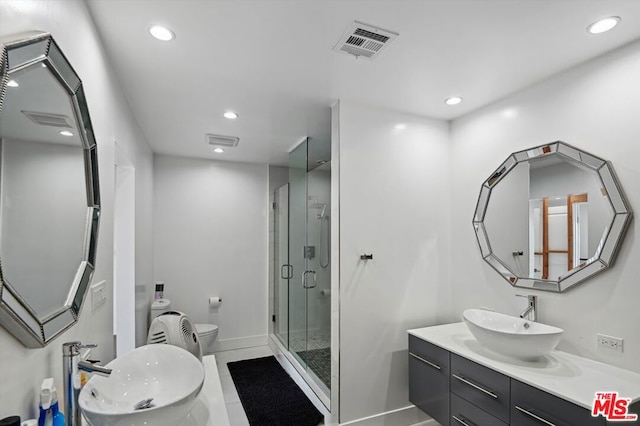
[170,375]
[512,336]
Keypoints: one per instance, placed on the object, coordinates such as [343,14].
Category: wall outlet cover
[98,295]
[612,343]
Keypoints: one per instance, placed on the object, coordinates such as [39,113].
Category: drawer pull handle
[436,366]
[538,418]
[462,422]
[473,385]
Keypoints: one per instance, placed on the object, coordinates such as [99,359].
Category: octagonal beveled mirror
[49,191]
[550,217]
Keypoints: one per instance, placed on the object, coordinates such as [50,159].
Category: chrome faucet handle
[88,345]
[73,348]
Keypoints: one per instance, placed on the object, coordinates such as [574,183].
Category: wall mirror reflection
[550,217]
[49,195]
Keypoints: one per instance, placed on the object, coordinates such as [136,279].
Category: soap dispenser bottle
[50,414]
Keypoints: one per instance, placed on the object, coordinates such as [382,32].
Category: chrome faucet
[71,366]
[530,312]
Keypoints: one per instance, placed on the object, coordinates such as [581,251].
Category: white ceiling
[272,61]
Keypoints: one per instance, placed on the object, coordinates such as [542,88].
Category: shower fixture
[324,209]
[315,205]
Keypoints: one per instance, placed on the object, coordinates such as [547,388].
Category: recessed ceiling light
[162,33]
[510,113]
[603,25]
[455,100]
[218,150]
[400,126]
[66,133]
[230,115]
[12,83]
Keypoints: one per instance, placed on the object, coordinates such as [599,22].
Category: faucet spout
[526,312]
[530,312]
[93,368]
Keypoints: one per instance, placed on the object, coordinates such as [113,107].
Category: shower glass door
[282,269]
[318,354]
[308,270]
[297,253]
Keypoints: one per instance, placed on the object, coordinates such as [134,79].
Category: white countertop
[210,409]
[567,376]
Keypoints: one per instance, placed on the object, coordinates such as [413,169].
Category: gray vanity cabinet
[464,413]
[481,386]
[429,379]
[533,407]
[459,392]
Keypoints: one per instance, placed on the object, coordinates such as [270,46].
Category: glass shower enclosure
[302,267]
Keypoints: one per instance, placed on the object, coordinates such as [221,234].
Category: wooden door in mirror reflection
[560,236]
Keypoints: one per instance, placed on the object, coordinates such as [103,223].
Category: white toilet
[208,334]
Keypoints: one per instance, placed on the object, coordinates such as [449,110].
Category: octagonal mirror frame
[612,235]
[35,50]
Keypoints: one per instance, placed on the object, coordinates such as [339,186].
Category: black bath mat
[269,396]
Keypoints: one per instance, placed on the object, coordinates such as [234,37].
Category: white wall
[210,239]
[21,369]
[594,107]
[394,203]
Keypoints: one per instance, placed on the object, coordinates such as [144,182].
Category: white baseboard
[406,416]
[240,343]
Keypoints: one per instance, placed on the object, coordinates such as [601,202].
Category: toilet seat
[206,329]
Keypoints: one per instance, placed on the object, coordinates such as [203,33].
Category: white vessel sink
[511,336]
[170,375]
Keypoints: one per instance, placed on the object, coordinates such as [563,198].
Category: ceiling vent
[47,119]
[221,140]
[363,40]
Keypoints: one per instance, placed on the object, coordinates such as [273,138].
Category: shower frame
[303,215]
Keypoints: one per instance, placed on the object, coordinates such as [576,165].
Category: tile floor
[237,417]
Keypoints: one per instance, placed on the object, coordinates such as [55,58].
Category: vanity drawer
[481,386]
[464,413]
[429,379]
[532,407]
[429,352]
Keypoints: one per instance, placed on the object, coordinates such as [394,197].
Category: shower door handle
[289,270]
[304,279]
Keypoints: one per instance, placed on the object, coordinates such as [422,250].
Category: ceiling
[272,62]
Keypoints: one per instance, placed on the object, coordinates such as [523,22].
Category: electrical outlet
[98,295]
[612,343]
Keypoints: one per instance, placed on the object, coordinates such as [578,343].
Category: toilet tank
[158,307]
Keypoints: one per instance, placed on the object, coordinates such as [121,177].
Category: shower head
[324,209]
[320,206]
